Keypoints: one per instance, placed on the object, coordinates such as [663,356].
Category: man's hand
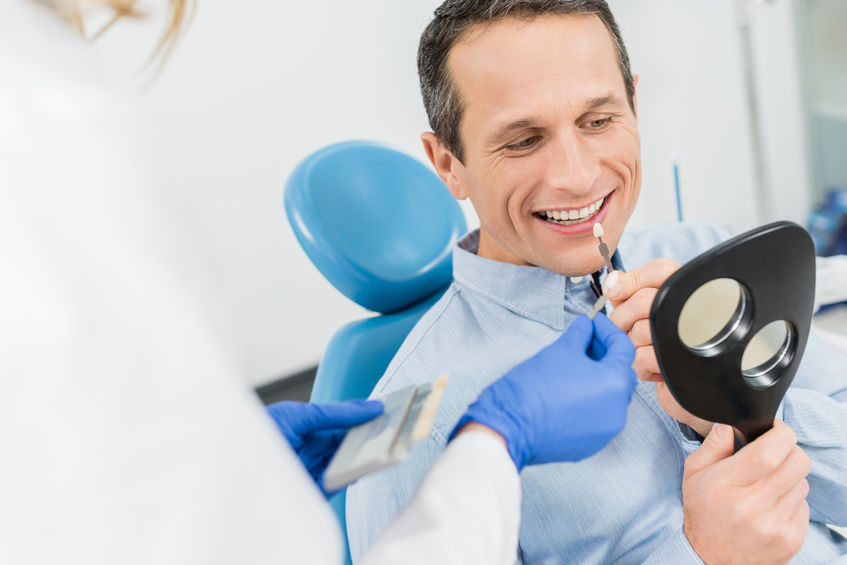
[749,507]
[631,294]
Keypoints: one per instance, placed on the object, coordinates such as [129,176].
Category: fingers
[645,361]
[793,500]
[640,333]
[578,335]
[317,452]
[627,315]
[653,274]
[649,377]
[786,478]
[646,364]
[340,414]
[764,455]
[619,348]
[635,308]
[789,519]
[718,445]
[632,317]
[799,521]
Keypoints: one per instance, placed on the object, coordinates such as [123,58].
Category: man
[534,115]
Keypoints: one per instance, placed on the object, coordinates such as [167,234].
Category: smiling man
[547,141]
[534,114]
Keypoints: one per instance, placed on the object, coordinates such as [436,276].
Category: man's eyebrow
[509,128]
[595,103]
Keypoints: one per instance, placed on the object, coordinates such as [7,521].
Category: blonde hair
[179,13]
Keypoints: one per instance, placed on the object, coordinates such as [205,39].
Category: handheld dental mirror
[730,327]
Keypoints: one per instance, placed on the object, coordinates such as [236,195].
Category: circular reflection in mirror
[711,313]
[768,348]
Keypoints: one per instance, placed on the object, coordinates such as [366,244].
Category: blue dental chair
[380,226]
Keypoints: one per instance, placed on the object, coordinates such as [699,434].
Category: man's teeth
[568,217]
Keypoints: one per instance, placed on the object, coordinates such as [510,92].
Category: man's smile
[570,216]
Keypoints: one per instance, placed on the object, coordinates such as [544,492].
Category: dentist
[128,435]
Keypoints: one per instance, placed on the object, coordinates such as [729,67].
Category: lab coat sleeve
[465,511]
[815,407]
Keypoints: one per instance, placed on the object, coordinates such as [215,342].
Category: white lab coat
[126,433]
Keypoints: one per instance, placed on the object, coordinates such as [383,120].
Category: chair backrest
[380,226]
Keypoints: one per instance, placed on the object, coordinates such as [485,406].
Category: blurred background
[747,98]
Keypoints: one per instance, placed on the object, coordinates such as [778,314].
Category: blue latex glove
[315,430]
[567,401]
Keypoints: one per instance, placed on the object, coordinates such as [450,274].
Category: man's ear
[445,164]
[635,95]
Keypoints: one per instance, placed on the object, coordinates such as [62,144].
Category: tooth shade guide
[603,248]
[429,410]
[598,305]
[407,417]
[598,230]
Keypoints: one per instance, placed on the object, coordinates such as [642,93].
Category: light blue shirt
[624,504]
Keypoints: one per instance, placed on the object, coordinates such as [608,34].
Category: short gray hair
[454,17]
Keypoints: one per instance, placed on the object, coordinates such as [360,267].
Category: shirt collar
[532,292]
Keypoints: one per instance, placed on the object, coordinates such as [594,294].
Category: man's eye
[527,143]
[599,124]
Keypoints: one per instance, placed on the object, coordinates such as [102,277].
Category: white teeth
[567,217]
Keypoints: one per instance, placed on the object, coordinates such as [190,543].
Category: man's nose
[574,165]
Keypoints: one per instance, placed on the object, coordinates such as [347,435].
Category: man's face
[546,132]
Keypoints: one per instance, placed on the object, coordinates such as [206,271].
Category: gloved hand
[567,401]
[315,430]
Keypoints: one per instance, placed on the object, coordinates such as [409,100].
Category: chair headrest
[378,224]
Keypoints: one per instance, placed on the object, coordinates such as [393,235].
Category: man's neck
[489,248]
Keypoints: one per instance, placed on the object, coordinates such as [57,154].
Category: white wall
[256,86]
[776,44]
[691,102]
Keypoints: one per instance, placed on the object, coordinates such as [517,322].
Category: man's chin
[575,258]
[575,268]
